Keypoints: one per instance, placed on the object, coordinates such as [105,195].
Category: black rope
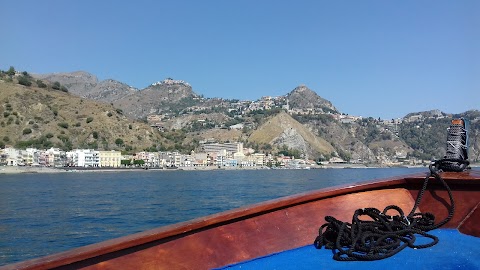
[385,235]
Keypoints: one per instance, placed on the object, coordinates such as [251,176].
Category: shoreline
[33,170]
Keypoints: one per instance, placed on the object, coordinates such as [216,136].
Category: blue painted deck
[454,251]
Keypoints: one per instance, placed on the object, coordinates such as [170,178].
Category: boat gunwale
[178,230]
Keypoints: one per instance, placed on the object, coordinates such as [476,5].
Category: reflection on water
[42,214]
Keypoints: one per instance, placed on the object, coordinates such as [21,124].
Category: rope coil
[384,235]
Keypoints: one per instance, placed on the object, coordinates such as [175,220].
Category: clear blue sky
[369,58]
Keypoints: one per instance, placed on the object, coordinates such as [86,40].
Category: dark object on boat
[383,234]
[456,158]
[272,227]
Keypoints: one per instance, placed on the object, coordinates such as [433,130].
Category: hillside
[282,130]
[165,96]
[157,98]
[84,84]
[70,110]
[43,117]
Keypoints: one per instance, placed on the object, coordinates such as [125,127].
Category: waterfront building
[3,157]
[109,158]
[30,156]
[230,148]
[84,158]
[170,159]
[259,159]
[12,156]
[53,157]
[151,159]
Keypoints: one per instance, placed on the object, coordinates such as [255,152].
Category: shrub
[41,84]
[89,119]
[56,86]
[119,141]
[26,131]
[6,139]
[63,138]
[11,71]
[6,114]
[109,114]
[23,80]
[35,126]
[95,135]
[77,124]
[49,135]
[63,125]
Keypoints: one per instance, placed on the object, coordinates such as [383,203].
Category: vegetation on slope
[34,115]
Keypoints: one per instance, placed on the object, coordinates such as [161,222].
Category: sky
[381,59]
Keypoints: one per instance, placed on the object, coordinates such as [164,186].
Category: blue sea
[41,214]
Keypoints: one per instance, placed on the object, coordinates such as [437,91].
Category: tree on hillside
[11,71]
[41,84]
[119,142]
[56,86]
[24,80]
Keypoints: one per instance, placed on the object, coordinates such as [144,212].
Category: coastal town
[214,155]
[209,155]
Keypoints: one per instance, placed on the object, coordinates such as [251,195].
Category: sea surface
[41,214]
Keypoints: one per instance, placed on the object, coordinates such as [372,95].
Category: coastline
[28,169]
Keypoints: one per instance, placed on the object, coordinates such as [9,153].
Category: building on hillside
[110,158]
[237,126]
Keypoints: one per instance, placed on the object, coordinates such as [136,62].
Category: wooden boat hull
[269,227]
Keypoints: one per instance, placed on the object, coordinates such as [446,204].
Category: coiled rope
[385,235]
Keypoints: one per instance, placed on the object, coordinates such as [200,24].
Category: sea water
[42,213]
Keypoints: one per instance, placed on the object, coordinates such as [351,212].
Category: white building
[12,156]
[84,158]
[231,148]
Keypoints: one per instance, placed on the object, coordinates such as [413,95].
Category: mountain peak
[170,81]
[302,88]
[303,97]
